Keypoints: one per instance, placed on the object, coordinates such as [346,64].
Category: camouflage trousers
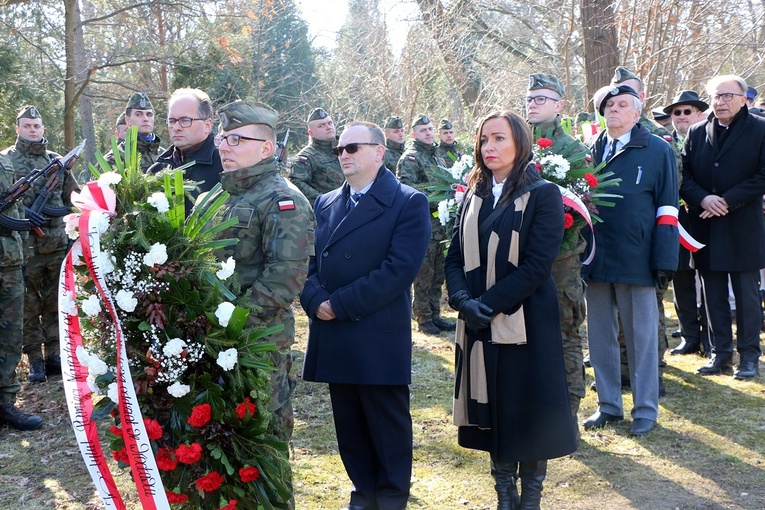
[11,317]
[427,286]
[41,304]
[282,386]
[663,343]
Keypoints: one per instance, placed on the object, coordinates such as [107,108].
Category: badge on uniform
[142,102]
[286,205]
[412,158]
[33,113]
[303,158]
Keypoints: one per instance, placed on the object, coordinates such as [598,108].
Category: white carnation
[443,212]
[91,306]
[76,251]
[106,262]
[223,313]
[72,231]
[556,165]
[159,200]
[91,380]
[102,226]
[126,301]
[68,305]
[227,358]
[174,347]
[157,255]
[178,390]
[96,366]
[227,269]
[112,392]
[109,178]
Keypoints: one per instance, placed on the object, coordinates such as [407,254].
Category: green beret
[242,113]
[394,123]
[28,112]
[445,124]
[546,81]
[318,114]
[623,74]
[139,101]
[616,91]
[421,120]
[121,120]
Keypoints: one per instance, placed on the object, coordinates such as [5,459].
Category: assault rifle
[281,147]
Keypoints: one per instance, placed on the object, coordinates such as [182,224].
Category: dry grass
[707,452]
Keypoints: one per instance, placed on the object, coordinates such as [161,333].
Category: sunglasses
[686,111]
[351,148]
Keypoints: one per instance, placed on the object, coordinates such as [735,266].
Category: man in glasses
[394,142]
[315,169]
[139,112]
[275,233]
[723,184]
[412,169]
[448,148]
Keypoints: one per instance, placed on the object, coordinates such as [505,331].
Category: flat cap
[613,92]
[686,97]
[622,74]
[421,120]
[317,114]
[394,123]
[546,81]
[28,112]
[751,92]
[243,113]
[445,124]
[139,101]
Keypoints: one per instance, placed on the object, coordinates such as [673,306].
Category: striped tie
[354,200]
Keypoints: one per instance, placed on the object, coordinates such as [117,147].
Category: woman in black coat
[510,389]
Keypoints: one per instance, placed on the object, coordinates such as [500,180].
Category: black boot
[36,370]
[532,475]
[505,479]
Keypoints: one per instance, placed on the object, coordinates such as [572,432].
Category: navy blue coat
[365,263]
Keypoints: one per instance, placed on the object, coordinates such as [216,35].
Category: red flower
[153,428]
[539,166]
[176,499]
[116,431]
[568,220]
[231,505]
[592,181]
[249,474]
[166,460]
[188,454]
[244,407]
[544,143]
[121,456]
[200,415]
[210,482]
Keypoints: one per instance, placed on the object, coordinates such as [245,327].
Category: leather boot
[532,475]
[505,479]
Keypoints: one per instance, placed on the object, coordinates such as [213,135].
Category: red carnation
[544,143]
[176,499]
[592,181]
[244,407]
[568,220]
[153,428]
[210,482]
[121,455]
[249,474]
[116,431]
[166,460]
[188,454]
[231,505]
[200,415]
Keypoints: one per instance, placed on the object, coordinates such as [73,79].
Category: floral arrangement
[448,188]
[156,339]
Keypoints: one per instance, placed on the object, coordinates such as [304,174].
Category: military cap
[686,97]
[421,120]
[659,115]
[546,81]
[583,117]
[28,112]
[751,92]
[317,114]
[243,113]
[394,123]
[445,124]
[616,91]
[139,101]
[121,120]
[623,74]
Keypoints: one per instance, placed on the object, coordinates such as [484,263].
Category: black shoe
[642,426]
[586,361]
[444,325]
[747,370]
[53,365]
[36,370]
[677,334]
[21,421]
[686,347]
[715,366]
[662,390]
[428,328]
[626,383]
[599,420]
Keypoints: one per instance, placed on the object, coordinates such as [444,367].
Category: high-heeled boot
[505,482]
[532,475]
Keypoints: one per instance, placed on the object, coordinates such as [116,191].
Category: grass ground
[706,453]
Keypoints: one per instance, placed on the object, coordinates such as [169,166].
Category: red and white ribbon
[667,215]
[571,200]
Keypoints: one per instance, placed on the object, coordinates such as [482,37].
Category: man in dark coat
[371,236]
[723,184]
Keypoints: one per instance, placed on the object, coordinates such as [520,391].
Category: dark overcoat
[365,263]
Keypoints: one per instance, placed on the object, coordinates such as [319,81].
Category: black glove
[476,314]
[663,277]
[458,299]
[35,219]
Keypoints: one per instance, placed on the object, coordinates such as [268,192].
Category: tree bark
[601,53]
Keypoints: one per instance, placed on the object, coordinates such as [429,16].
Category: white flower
[227,358]
[227,269]
[106,262]
[555,165]
[126,301]
[102,226]
[91,306]
[223,313]
[443,212]
[174,347]
[178,390]
[159,200]
[109,178]
[76,251]
[112,392]
[94,364]
[72,232]
[68,305]
[91,380]
[157,255]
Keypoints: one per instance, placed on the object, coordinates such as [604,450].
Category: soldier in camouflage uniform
[275,232]
[315,170]
[394,142]
[120,127]
[11,306]
[412,170]
[448,149]
[140,112]
[544,101]
[44,255]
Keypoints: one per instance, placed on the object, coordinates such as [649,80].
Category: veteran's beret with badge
[613,92]
[445,124]
[28,112]
[244,113]
[394,123]
[139,101]
[317,114]
[546,81]
[421,120]
[622,74]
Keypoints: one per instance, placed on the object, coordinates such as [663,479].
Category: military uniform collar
[323,145]
[429,149]
[547,129]
[238,181]
[447,146]
[32,148]
[394,145]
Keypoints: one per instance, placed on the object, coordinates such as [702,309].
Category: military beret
[394,123]
[445,124]
[583,117]
[623,74]
[421,120]
[317,114]
[751,92]
[242,113]
[121,120]
[546,81]
[139,101]
[613,92]
[28,112]
[658,114]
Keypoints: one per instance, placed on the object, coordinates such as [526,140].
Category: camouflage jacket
[11,246]
[275,233]
[393,152]
[655,128]
[445,149]
[412,170]
[25,157]
[148,150]
[315,170]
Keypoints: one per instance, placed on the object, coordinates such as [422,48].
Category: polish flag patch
[302,158]
[286,205]
[412,158]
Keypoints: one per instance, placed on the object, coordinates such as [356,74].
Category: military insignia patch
[142,102]
[667,138]
[33,113]
[412,158]
[286,205]
[303,158]
[244,215]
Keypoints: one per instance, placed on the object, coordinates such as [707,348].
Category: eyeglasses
[540,100]
[351,148]
[678,112]
[183,121]
[727,97]
[233,140]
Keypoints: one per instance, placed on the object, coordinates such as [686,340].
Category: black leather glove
[458,299]
[663,277]
[35,219]
[476,314]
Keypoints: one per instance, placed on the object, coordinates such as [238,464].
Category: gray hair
[717,80]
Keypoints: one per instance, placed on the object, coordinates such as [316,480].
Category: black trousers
[374,436]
